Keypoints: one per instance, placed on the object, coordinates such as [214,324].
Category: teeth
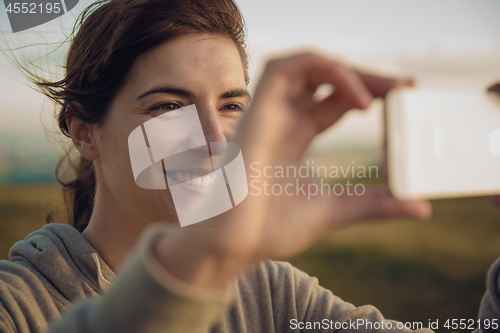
[206,180]
[193,180]
[196,181]
[179,176]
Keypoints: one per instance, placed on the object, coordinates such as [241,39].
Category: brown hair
[107,38]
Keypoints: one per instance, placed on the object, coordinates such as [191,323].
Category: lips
[194,179]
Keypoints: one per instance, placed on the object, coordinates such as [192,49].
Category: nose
[210,124]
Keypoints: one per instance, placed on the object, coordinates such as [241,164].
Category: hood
[65,259]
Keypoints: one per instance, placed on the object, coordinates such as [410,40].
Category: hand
[276,131]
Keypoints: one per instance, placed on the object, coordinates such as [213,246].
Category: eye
[165,107]
[233,108]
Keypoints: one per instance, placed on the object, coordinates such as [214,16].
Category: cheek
[113,152]
[229,126]
[115,165]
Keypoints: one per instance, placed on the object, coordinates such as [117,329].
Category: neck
[112,233]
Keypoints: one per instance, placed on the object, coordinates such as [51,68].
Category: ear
[82,135]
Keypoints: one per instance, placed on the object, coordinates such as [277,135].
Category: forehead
[197,61]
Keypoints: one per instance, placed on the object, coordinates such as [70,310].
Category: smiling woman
[202,69]
[109,73]
[129,62]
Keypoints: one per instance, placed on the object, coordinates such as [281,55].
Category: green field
[412,271]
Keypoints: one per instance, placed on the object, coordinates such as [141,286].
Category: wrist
[194,261]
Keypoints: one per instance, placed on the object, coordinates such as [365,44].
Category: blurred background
[411,271]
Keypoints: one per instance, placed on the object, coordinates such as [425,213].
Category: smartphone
[442,143]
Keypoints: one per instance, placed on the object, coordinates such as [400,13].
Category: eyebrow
[236,93]
[168,90]
[189,94]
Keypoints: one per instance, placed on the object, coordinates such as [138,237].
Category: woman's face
[202,69]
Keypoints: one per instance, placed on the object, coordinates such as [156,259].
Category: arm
[342,316]
[146,298]
[312,308]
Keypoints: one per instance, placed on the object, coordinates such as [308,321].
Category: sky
[443,43]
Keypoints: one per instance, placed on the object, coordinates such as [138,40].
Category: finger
[309,70]
[379,86]
[380,204]
[354,81]
[349,92]
[304,73]
[349,89]
[332,108]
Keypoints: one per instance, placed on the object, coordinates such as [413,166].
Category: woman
[131,61]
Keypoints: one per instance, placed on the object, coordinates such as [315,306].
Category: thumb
[379,204]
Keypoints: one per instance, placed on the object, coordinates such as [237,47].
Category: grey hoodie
[56,267]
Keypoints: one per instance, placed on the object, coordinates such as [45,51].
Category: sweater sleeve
[316,309]
[146,298]
[315,304]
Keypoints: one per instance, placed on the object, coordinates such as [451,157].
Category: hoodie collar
[64,257]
